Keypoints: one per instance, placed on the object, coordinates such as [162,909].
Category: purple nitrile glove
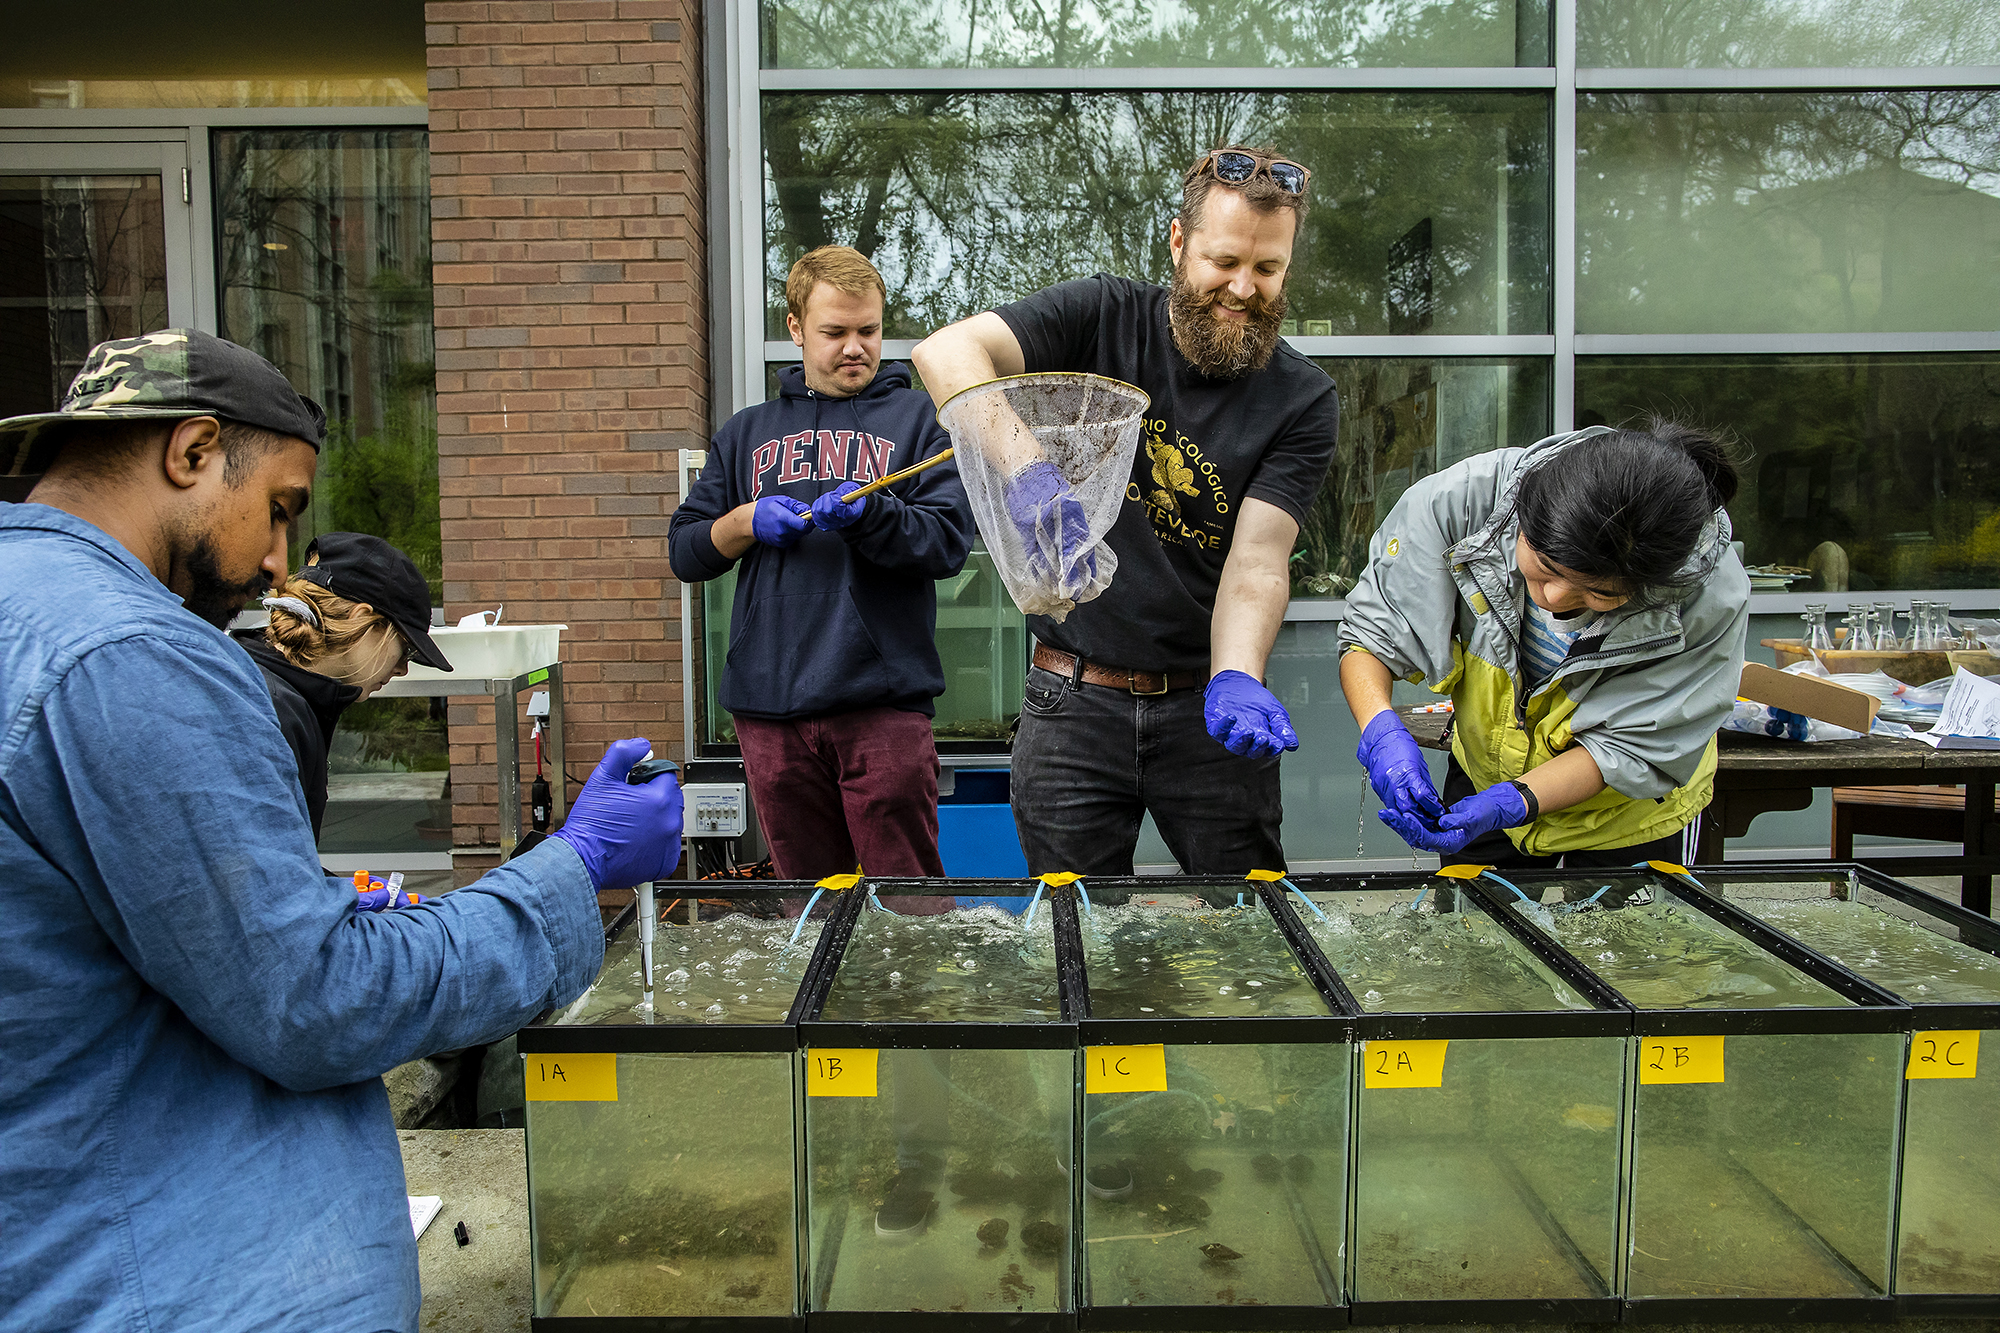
[830,513]
[1245,718]
[1397,771]
[1053,526]
[626,835]
[1499,806]
[779,520]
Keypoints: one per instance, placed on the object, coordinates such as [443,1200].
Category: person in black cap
[193,1018]
[324,650]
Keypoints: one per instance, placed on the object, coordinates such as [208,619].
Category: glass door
[94,244]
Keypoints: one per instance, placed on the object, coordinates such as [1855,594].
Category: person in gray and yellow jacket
[1580,602]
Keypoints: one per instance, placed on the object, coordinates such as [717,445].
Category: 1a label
[841,1073]
[571,1078]
[1403,1064]
[1125,1069]
[1943,1055]
[1680,1060]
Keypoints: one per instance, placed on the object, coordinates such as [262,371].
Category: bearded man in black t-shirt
[1150,696]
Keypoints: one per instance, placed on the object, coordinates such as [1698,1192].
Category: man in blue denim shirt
[193,1019]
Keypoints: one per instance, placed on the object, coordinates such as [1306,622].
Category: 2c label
[1680,1059]
[1944,1055]
[841,1073]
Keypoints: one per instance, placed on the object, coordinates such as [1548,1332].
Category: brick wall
[569,259]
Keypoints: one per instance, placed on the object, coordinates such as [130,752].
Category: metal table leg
[1975,892]
[507,737]
[559,784]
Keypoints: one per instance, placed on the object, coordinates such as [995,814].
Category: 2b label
[1680,1059]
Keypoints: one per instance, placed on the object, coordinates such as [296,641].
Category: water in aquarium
[1227,1188]
[1191,960]
[732,969]
[969,965]
[1920,965]
[1500,1183]
[675,1199]
[1423,949]
[1661,953]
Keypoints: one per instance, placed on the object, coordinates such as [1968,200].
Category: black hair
[1628,507]
[104,451]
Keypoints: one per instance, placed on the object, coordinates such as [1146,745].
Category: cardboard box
[1816,697]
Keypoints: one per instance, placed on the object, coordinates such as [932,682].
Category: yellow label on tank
[1266,876]
[572,1078]
[1403,1064]
[1944,1055]
[840,1073]
[1125,1069]
[1460,872]
[1680,1060]
[1056,879]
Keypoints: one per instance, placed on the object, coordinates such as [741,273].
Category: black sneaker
[1108,1181]
[905,1214]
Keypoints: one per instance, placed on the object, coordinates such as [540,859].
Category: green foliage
[401,735]
[385,483]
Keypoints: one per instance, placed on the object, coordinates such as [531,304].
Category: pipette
[643,772]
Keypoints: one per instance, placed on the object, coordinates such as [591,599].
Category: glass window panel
[220,53]
[386,775]
[1788,212]
[865,34]
[323,261]
[82,259]
[968,200]
[1881,466]
[1786,34]
[1402,419]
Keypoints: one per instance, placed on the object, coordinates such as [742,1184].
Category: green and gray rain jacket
[1644,691]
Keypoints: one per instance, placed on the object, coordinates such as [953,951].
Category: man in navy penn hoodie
[833,665]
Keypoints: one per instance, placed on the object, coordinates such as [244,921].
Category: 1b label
[1680,1059]
[1944,1055]
[1403,1064]
[1125,1069]
[571,1078]
[841,1073]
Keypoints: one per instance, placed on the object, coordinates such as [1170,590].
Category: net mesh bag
[1045,460]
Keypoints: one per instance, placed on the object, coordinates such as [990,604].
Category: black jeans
[1498,850]
[1091,761]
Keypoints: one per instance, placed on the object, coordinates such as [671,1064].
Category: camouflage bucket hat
[168,376]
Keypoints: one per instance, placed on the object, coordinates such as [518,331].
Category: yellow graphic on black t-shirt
[1171,475]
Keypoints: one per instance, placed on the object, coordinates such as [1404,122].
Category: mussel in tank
[993,1233]
[1218,1253]
[1266,1167]
[1041,1238]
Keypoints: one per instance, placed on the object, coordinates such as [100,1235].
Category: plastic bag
[1764,720]
[1087,428]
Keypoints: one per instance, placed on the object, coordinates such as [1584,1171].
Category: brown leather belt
[1117,678]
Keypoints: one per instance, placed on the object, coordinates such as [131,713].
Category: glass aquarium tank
[662,1161]
[1945,963]
[1215,1109]
[1766,1104]
[1490,1106]
[939,1079]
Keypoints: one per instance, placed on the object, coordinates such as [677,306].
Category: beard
[1219,348]
[210,595]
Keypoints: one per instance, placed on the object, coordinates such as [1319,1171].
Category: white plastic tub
[498,652]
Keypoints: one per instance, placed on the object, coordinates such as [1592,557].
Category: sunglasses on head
[1235,166]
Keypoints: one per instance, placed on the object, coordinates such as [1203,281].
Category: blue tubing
[1418,901]
[1028,917]
[877,904]
[802,917]
[1517,892]
[1302,898]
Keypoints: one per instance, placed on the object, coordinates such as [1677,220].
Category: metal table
[1757,774]
[505,694]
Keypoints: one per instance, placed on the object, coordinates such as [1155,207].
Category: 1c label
[1680,1059]
[1944,1055]
[1125,1068]
[1403,1064]
[571,1078]
[841,1073]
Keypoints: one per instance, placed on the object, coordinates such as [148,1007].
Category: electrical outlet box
[715,809]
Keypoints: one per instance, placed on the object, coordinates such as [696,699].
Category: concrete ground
[482,1176]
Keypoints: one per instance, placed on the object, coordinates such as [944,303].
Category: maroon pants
[852,788]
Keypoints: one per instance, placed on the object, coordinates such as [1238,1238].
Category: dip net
[1084,426]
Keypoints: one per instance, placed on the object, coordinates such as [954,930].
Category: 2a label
[841,1073]
[1403,1064]
[571,1078]
[1125,1068]
[1680,1060]
[1943,1055]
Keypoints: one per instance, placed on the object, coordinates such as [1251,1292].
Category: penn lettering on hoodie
[841,620]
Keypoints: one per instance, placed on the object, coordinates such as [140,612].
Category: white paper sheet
[423,1209]
[1971,709]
